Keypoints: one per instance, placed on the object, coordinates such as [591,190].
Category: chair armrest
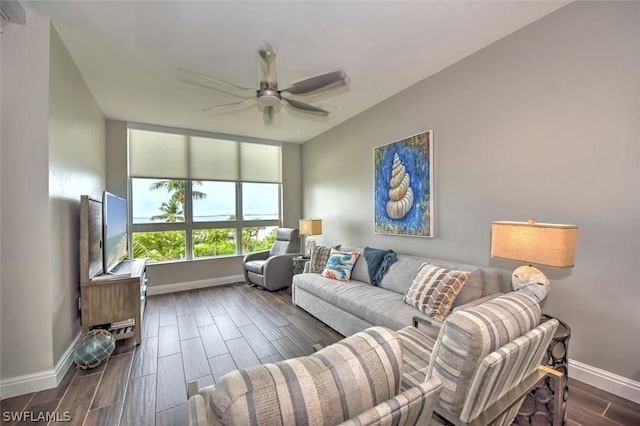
[279,267]
[415,403]
[258,255]
[511,398]
[477,302]
[199,415]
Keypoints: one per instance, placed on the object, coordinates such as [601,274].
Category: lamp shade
[310,226]
[540,243]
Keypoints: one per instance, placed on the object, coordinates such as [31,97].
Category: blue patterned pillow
[340,264]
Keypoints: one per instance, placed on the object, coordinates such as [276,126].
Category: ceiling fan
[268,95]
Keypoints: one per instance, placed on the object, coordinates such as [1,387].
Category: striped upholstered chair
[487,356]
[355,381]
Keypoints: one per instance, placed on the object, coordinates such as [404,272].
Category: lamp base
[310,243]
[530,280]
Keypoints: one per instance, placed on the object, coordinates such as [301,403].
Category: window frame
[189,225]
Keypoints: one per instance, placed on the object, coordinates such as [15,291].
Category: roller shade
[260,163]
[170,155]
[213,159]
[156,154]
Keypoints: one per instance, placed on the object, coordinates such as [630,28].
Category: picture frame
[403,186]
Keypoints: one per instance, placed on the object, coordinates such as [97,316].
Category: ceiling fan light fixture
[269,97]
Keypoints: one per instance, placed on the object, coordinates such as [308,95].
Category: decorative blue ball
[93,348]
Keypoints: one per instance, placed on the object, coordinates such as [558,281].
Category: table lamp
[310,227]
[544,244]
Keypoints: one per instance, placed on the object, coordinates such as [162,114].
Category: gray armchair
[273,269]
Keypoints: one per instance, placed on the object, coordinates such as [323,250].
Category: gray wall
[26,291]
[52,152]
[200,269]
[76,167]
[542,124]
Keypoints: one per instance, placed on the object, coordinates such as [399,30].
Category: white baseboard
[601,379]
[192,285]
[41,380]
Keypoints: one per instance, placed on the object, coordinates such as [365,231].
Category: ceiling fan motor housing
[269,97]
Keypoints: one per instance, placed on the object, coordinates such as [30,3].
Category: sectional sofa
[354,306]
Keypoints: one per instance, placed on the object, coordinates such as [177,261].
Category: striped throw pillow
[319,257]
[434,289]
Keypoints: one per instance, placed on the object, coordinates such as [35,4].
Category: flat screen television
[114,230]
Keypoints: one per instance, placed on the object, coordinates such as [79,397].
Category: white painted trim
[42,380]
[601,379]
[191,285]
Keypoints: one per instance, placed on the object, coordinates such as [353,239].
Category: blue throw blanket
[378,262]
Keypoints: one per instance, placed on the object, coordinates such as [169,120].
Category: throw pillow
[434,289]
[340,264]
[319,257]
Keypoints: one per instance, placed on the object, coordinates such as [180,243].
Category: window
[193,196]
[260,201]
[214,201]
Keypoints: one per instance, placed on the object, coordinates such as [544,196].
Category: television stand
[116,300]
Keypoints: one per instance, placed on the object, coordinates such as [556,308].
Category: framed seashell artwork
[403,186]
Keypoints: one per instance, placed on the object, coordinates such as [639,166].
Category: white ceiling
[129,52]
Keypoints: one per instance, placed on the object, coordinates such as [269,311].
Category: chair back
[469,335]
[326,388]
[287,241]
[502,370]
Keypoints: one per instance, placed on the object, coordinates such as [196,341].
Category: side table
[537,407]
[298,264]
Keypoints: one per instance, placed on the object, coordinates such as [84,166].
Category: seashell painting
[400,194]
[403,186]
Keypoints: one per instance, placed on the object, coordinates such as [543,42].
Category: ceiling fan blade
[268,115]
[212,87]
[313,84]
[214,83]
[304,107]
[269,66]
[245,103]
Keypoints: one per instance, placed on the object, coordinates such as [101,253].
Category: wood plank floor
[203,334]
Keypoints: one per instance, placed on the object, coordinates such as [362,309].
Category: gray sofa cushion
[360,271]
[372,304]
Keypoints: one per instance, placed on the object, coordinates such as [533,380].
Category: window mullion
[239,218]
[188,218]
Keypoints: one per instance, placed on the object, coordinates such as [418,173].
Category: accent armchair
[488,357]
[354,382]
[273,269]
